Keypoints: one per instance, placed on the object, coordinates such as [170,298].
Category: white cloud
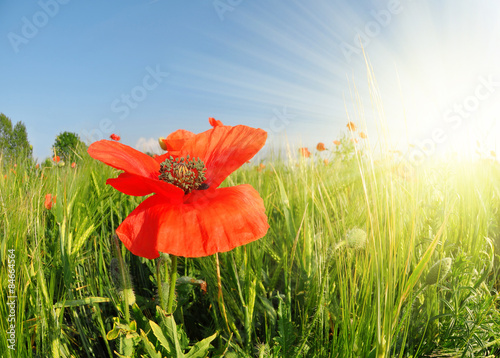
[148,145]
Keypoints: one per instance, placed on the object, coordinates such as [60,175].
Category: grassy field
[363,258]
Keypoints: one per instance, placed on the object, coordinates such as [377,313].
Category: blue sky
[144,68]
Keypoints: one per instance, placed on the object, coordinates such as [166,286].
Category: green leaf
[417,272]
[141,320]
[171,343]
[149,346]
[161,338]
[286,336]
[127,345]
[113,334]
[81,302]
[200,349]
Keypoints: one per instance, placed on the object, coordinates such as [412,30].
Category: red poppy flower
[188,215]
[49,201]
[363,135]
[56,159]
[351,126]
[115,137]
[320,147]
[73,165]
[336,142]
[305,152]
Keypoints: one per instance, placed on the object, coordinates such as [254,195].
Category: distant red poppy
[326,161]
[351,126]
[115,137]
[261,167]
[49,201]
[188,215]
[56,159]
[73,165]
[363,135]
[336,142]
[37,166]
[320,147]
[305,152]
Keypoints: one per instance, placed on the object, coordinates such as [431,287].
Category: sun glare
[439,83]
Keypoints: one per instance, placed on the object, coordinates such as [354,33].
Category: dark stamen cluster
[185,173]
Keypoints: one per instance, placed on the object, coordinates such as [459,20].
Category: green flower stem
[124,278]
[173,280]
[159,280]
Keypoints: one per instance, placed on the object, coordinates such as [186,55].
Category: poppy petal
[123,157]
[214,122]
[176,140]
[136,185]
[211,221]
[161,158]
[224,149]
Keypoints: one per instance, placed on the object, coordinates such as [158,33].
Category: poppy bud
[162,143]
[438,271]
[120,276]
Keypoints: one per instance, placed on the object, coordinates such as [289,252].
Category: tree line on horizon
[14,143]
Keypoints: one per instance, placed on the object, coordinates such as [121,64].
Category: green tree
[67,146]
[5,131]
[13,140]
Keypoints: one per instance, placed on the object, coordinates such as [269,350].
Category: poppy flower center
[185,173]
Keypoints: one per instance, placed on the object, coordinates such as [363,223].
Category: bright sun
[441,88]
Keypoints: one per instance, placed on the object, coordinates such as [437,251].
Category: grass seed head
[356,239]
